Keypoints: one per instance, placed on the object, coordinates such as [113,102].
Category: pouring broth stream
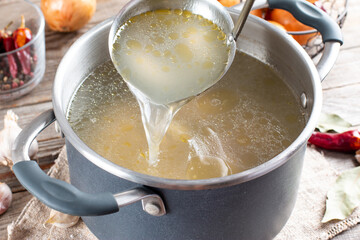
[167,57]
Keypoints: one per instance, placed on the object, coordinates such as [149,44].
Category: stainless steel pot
[254,204]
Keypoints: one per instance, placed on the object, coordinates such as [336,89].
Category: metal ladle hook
[242,18]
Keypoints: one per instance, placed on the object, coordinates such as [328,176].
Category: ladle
[209,9]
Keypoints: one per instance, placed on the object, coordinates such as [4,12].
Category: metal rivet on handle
[152,209]
[303,100]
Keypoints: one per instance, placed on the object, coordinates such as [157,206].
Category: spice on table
[21,36]
[343,196]
[345,142]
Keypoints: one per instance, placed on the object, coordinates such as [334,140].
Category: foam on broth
[246,119]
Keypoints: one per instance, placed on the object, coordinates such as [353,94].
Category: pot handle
[311,15]
[64,197]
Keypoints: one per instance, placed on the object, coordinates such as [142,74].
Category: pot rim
[202,184]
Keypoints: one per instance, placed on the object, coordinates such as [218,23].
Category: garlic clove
[7,137]
[5,197]
[357,156]
[62,220]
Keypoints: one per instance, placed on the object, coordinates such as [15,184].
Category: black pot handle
[64,197]
[311,15]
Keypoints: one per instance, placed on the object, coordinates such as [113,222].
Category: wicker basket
[337,9]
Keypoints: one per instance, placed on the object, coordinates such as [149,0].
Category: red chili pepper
[21,36]
[8,43]
[345,142]
[2,50]
[2,36]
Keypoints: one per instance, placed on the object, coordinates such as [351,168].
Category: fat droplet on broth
[184,52]
[208,65]
[210,36]
[163,12]
[139,60]
[173,36]
[206,167]
[159,40]
[134,45]
[187,14]
[178,12]
[221,36]
[167,54]
[165,69]
[156,53]
[149,48]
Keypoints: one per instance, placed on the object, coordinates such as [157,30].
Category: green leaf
[332,122]
[344,196]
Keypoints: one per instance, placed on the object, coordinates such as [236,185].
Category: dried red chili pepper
[2,36]
[2,50]
[8,43]
[345,142]
[21,36]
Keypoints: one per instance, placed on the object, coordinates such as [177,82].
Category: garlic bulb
[61,220]
[5,197]
[7,137]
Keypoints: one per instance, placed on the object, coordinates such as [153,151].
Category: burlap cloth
[304,222]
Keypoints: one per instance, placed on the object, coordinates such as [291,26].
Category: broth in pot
[244,120]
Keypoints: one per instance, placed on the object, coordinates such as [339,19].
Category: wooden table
[341,96]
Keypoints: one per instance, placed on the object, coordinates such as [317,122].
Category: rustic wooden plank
[27,114]
[344,101]
[20,199]
[351,26]
[346,70]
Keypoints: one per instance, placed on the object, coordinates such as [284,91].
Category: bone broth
[241,122]
[166,57]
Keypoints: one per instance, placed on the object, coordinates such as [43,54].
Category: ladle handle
[242,18]
[61,195]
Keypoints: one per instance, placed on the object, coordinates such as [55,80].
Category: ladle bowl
[209,9]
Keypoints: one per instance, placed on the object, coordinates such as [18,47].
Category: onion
[67,15]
